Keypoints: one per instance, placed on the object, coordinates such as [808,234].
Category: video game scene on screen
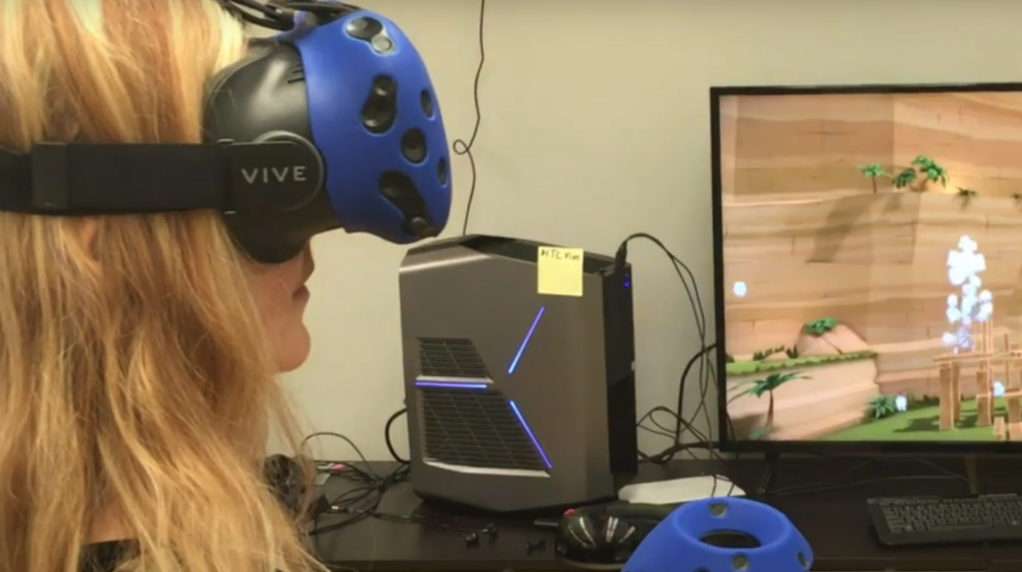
[873,265]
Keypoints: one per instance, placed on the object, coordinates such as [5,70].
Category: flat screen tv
[868,267]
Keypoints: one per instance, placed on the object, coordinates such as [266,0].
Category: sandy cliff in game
[816,249]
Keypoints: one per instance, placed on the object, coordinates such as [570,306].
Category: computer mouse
[606,535]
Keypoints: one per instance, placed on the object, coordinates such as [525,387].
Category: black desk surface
[833,518]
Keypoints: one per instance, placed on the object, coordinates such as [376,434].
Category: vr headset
[332,123]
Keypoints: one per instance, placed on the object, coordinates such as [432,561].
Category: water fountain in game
[970,313]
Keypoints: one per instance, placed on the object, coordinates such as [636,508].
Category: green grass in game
[750,367]
[922,424]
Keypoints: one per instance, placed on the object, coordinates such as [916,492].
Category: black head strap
[280,15]
[92,178]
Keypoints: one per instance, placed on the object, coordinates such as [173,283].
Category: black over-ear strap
[280,15]
[91,178]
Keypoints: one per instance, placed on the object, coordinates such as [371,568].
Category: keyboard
[901,521]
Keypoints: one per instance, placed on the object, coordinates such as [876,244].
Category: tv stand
[767,481]
[972,473]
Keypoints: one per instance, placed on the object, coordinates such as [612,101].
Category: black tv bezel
[725,441]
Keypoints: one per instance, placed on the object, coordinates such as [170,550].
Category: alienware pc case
[516,400]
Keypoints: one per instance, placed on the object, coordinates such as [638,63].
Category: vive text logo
[267,175]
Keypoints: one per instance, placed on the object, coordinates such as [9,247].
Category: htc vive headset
[332,123]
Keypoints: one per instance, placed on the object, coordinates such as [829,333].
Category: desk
[834,521]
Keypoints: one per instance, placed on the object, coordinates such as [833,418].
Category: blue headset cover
[340,71]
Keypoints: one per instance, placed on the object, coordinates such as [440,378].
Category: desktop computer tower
[516,400]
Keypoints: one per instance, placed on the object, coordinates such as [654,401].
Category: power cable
[459,146]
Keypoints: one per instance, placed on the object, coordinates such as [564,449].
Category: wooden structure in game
[986,359]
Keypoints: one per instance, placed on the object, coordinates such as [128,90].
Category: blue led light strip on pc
[525,342]
[532,436]
[451,385]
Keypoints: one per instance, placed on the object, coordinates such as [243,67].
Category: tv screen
[869,264]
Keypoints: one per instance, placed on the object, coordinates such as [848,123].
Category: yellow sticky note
[560,271]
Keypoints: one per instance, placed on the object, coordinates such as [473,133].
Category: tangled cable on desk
[362,501]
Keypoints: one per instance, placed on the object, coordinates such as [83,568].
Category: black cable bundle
[706,367]
[363,500]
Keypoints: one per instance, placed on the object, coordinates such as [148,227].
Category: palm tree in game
[767,385]
[872,172]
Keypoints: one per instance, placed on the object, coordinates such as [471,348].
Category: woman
[137,353]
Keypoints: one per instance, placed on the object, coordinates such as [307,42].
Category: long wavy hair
[135,378]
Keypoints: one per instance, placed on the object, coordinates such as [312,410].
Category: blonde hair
[134,373]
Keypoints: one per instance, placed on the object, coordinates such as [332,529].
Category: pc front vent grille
[450,357]
[475,429]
